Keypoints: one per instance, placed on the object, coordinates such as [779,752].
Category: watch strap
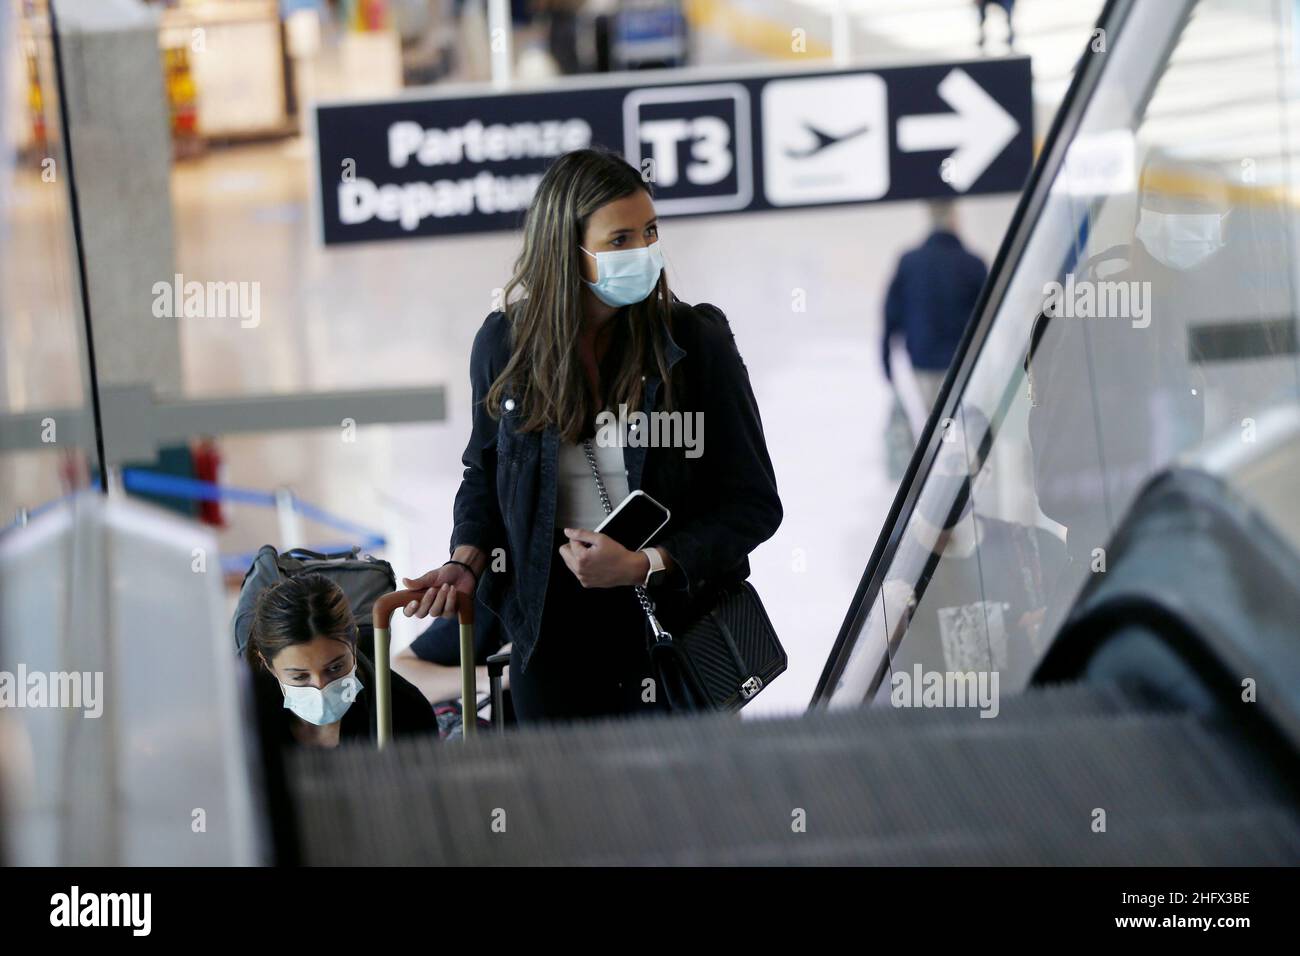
[657,565]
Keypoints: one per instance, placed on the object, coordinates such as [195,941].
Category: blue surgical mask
[624,276]
[1180,241]
[321,707]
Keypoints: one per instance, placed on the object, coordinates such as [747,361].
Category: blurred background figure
[560,23]
[1007,7]
[930,299]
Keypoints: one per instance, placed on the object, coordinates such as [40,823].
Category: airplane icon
[824,141]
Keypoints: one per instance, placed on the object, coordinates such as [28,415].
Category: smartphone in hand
[636,520]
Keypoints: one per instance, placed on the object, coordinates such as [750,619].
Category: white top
[577,502]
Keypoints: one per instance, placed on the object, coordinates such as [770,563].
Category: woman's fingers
[440,587]
[443,603]
[422,582]
[583,535]
[426,602]
[449,599]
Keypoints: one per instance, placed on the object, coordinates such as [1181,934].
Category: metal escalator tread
[878,786]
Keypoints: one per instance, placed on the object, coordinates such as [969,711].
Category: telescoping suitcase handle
[381,616]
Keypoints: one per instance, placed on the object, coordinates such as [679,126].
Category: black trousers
[590,659]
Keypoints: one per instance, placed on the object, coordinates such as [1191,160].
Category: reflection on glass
[46,429]
[1151,309]
[975,584]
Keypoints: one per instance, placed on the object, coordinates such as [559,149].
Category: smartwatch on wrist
[657,571]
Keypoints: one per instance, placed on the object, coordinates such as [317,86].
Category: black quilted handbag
[723,658]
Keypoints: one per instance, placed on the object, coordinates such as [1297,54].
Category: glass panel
[47,436]
[869,661]
[1151,308]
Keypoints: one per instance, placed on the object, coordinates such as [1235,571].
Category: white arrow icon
[976,131]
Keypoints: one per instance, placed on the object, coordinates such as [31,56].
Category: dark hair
[297,611]
[544,373]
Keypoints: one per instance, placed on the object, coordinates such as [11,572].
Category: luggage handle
[496,664]
[318,556]
[381,615]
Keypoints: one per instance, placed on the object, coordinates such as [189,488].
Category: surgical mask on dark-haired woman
[624,276]
[321,707]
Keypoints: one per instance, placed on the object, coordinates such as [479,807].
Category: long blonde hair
[544,374]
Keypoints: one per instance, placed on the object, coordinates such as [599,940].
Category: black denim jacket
[724,502]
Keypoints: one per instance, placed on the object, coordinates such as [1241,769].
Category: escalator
[1162,728]
[875,786]
[1083,604]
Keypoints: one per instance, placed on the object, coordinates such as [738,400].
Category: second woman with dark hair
[590,327]
[312,684]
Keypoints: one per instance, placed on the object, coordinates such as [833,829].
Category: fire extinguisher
[209,467]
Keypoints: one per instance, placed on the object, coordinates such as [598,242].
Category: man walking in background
[930,300]
[1008,6]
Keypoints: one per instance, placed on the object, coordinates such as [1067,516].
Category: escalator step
[879,785]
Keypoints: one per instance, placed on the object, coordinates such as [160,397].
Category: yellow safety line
[1190,185]
[755,33]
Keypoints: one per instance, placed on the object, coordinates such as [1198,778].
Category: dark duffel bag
[361,577]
